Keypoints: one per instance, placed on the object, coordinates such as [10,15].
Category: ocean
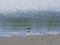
[9,29]
[20,23]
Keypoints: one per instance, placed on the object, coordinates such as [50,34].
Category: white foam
[43,33]
[9,34]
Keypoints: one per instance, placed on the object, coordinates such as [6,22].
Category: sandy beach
[30,40]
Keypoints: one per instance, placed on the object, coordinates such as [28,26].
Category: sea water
[9,29]
[19,24]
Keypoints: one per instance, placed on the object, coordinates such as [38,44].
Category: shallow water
[21,28]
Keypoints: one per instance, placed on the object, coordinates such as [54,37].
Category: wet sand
[30,40]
